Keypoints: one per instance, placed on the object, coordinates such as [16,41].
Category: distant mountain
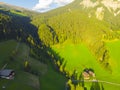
[101,6]
[103,10]
[9,7]
[108,10]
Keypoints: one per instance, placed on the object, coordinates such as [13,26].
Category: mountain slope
[77,37]
[104,10]
[89,22]
[75,25]
[16,25]
[17,9]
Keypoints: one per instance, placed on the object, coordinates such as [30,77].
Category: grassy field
[48,78]
[22,79]
[114,50]
[78,56]
[52,80]
[17,13]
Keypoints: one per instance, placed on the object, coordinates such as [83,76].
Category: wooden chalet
[7,73]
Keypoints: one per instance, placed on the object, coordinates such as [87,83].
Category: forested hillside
[68,27]
[75,25]
[74,39]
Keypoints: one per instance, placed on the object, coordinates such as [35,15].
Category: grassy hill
[16,9]
[22,79]
[39,76]
[114,51]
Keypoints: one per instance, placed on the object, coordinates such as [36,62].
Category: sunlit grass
[78,57]
[18,13]
[114,50]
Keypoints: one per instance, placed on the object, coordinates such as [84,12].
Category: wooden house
[7,73]
[88,74]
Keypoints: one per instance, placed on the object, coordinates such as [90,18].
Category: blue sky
[23,3]
[38,5]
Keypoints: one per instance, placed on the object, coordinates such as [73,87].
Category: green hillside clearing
[78,57]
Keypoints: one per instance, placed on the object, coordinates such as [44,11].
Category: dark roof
[87,70]
[5,72]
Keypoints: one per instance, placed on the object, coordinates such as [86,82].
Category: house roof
[5,72]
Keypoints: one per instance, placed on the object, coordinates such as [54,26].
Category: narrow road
[101,81]
[112,83]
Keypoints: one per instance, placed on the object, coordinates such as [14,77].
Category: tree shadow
[81,79]
[95,86]
[102,88]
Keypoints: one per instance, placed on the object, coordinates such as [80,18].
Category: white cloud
[62,2]
[45,5]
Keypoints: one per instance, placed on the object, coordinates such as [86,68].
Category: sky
[38,5]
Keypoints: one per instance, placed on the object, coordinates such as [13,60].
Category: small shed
[7,73]
[88,73]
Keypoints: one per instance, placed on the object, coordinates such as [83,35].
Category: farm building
[7,73]
[88,73]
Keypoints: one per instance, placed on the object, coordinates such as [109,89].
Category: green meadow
[78,56]
[114,51]
[22,79]
[17,13]
[47,77]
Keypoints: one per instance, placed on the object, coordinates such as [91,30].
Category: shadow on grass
[96,86]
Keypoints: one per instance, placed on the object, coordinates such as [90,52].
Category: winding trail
[101,81]
[94,80]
